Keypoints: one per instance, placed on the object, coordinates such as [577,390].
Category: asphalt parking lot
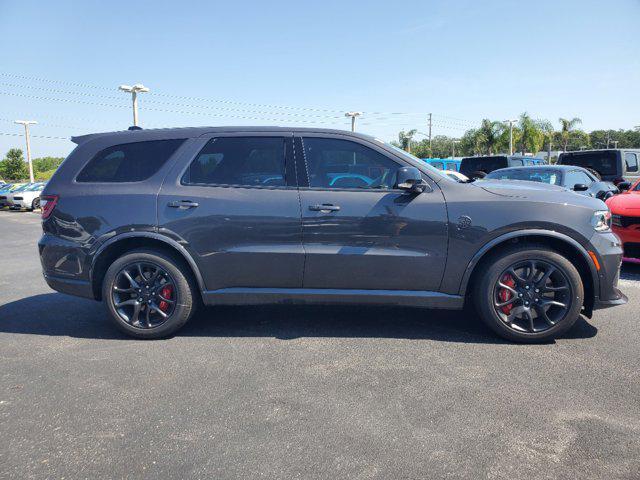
[306,392]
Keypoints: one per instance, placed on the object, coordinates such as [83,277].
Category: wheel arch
[120,244]
[557,241]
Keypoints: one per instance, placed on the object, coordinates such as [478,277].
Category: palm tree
[489,134]
[532,136]
[567,126]
[406,138]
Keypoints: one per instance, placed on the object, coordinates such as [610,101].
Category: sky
[306,63]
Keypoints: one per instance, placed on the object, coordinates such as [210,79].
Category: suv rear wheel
[529,294]
[148,295]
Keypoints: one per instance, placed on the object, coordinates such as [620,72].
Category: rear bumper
[70,286]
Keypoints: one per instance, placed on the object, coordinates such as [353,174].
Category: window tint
[333,163]
[632,162]
[129,162]
[244,161]
[603,162]
[576,176]
[438,165]
[531,175]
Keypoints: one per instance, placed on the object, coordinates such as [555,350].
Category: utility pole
[138,88]
[453,148]
[608,138]
[26,124]
[430,153]
[615,143]
[353,116]
[511,122]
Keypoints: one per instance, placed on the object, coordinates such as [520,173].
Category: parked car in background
[625,210]
[156,222]
[457,176]
[4,194]
[444,163]
[578,179]
[27,197]
[613,165]
[478,167]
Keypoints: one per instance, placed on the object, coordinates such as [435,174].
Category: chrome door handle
[325,207]
[183,204]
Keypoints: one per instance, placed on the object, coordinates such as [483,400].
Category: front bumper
[608,248]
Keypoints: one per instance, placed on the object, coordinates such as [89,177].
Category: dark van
[474,167]
[613,165]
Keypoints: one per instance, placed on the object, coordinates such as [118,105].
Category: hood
[627,203]
[539,192]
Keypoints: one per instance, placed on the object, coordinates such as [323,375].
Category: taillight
[47,204]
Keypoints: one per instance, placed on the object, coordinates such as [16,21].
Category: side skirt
[260,296]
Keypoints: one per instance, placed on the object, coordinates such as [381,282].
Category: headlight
[601,220]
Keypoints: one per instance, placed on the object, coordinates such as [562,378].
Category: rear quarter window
[129,162]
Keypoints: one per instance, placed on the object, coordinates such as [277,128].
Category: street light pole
[511,122]
[353,116]
[26,124]
[138,88]
[430,153]
[453,148]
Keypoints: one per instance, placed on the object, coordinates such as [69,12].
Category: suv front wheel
[529,294]
[148,295]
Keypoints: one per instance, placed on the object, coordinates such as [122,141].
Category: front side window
[241,161]
[575,177]
[129,162]
[335,163]
[632,162]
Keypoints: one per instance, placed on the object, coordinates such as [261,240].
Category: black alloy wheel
[532,296]
[144,295]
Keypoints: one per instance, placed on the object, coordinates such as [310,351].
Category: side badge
[464,222]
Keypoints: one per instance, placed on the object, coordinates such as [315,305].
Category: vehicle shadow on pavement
[55,314]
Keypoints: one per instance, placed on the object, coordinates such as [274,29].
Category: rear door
[359,231]
[233,203]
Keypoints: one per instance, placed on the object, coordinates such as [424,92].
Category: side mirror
[410,179]
[623,186]
[580,187]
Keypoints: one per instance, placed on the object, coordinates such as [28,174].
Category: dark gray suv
[157,222]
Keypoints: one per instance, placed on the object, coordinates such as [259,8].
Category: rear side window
[129,162]
[242,161]
[485,164]
[632,162]
[603,162]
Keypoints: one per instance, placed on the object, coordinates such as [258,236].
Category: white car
[457,176]
[27,196]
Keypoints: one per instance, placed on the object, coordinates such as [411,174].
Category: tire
[35,204]
[175,273]
[568,291]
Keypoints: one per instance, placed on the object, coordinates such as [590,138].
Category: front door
[233,203]
[359,231]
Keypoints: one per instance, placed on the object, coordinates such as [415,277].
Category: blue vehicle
[444,163]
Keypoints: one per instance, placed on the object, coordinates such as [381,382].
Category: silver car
[27,196]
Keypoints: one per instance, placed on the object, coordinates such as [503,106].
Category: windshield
[552,177]
[22,188]
[438,173]
[34,187]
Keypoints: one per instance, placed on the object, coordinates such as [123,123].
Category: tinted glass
[485,164]
[438,165]
[130,162]
[602,162]
[551,177]
[576,176]
[242,161]
[632,162]
[333,163]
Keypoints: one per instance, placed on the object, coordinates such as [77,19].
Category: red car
[625,209]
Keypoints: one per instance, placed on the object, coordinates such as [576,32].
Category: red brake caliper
[505,294]
[166,292]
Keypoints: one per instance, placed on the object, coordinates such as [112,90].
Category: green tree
[45,167]
[531,136]
[406,138]
[13,166]
[489,135]
[566,126]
